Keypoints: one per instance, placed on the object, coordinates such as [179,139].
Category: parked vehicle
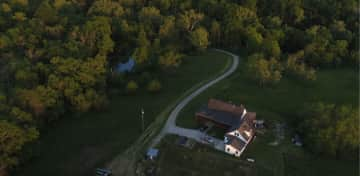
[208,140]
[250,160]
[203,128]
[103,172]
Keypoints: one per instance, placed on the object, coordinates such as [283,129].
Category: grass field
[176,160]
[280,103]
[77,144]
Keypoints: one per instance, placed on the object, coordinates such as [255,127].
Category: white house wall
[243,114]
[232,133]
[232,150]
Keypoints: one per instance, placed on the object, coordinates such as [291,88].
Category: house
[235,119]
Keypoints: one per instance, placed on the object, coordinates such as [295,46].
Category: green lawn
[76,145]
[281,103]
[176,160]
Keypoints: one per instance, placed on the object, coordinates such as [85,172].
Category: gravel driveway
[170,126]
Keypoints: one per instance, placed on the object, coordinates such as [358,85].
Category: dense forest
[56,56]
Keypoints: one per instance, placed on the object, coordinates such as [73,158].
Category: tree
[141,54]
[46,13]
[339,31]
[5,7]
[170,59]
[150,16]
[271,48]
[12,140]
[58,4]
[339,48]
[331,129]
[96,35]
[316,51]
[21,116]
[26,78]
[22,3]
[199,38]
[215,33]
[239,22]
[254,39]
[142,39]
[189,20]
[154,86]
[82,83]
[167,29]
[19,16]
[3,104]
[264,71]
[295,66]
[42,101]
[106,8]
[164,5]
[131,87]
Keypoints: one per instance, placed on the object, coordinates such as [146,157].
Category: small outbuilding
[259,124]
[297,140]
[126,67]
[152,153]
[103,172]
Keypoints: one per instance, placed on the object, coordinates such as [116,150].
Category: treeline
[56,55]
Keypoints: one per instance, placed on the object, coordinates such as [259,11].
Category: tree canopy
[331,129]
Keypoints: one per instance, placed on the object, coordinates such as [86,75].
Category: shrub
[131,87]
[154,86]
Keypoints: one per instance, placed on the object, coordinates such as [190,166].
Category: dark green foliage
[264,71]
[131,87]
[154,86]
[331,129]
[12,141]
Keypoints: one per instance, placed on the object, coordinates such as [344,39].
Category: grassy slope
[176,160]
[76,145]
[280,103]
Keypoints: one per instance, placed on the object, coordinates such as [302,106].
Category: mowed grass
[175,160]
[76,145]
[281,103]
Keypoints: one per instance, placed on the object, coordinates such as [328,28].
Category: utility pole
[142,119]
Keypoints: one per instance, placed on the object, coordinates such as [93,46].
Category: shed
[152,153]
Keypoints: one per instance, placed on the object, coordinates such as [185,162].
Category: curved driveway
[170,126]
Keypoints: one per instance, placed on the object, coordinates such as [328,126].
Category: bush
[298,68]
[154,86]
[331,129]
[131,87]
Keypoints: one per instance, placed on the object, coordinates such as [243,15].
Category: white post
[142,119]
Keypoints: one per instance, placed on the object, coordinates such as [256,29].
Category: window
[228,149]
[236,152]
